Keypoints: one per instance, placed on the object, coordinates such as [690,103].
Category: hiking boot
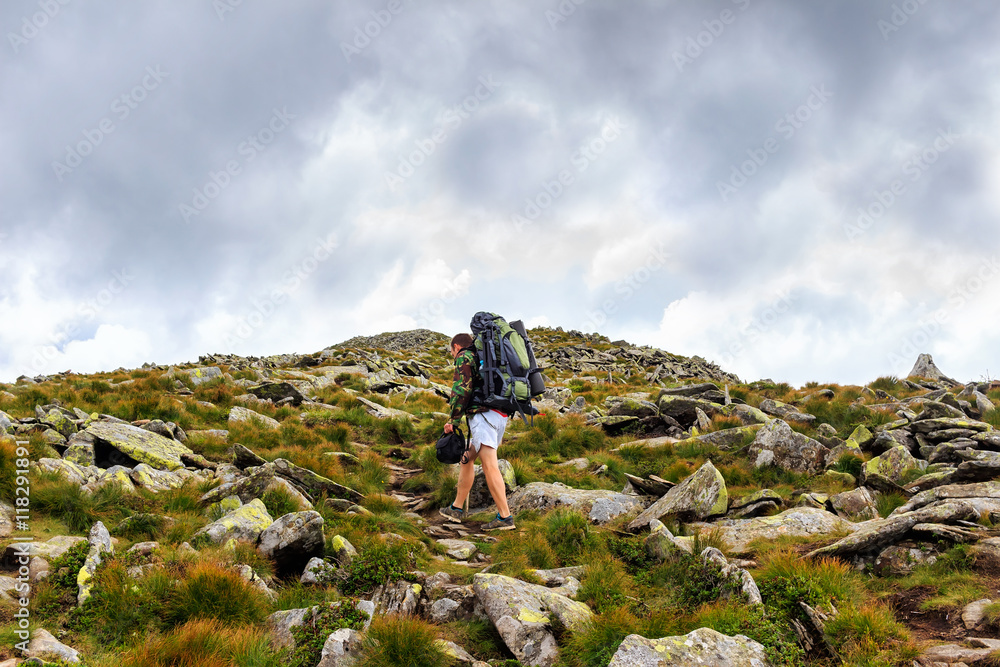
[500,523]
[452,513]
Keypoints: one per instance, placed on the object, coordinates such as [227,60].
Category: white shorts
[486,429]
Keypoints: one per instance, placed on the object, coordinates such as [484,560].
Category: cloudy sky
[795,189]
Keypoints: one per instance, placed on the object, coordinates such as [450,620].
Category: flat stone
[459,549]
[973,613]
[545,496]
[795,522]
[241,415]
[140,445]
[703,646]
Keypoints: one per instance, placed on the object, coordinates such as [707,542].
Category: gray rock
[243,524]
[244,458]
[383,412]
[459,549]
[523,613]
[245,488]
[317,571]
[777,444]
[138,446]
[856,505]
[202,374]
[293,539]
[43,644]
[682,408]
[796,522]
[631,407]
[314,483]
[545,496]
[703,646]
[100,543]
[398,597]
[925,368]
[873,536]
[700,496]
[241,415]
[785,411]
[277,391]
[974,612]
[342,649]
[51,549]
[899,560]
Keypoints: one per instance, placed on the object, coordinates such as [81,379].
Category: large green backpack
[509,374]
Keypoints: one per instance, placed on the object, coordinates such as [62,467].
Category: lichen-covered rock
[632,407]
[246,488]
[100,543]
[51,549]
[67,469]
[314,483]
[243,524]
[703,646]
[545,496]
[382,412]
[60,422]
[44,645]
[114,476]
[747,414]
[343,551]
[341,649]
[459,549]
[291,540]
[796,522]
[778,445]
[861,436]
[727,439]
[661,544]
[983,496]
[522,613]
[277,391]
[155,480]
[899,560]
[241,415]
[787,412]
[201,374]
[6,423]
[856,505]
[873,536]
[479,495]
[317,571]
[139,445]
[943,423]
[280,623]
[398,597]
[700,496]
[81,454]
[682,408]
[890,466]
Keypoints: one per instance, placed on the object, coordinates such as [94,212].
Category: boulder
[342,550]
[383,412]
[873,536]
[153,479]
[661,544]
[317,571]
[599,505]
[523,614]
[785,411]
[703,646]
[291,540]
[856,505]
[682,408]
[341,649]
[459,549]
[245,488]
[754,504]
[727,439]
[398,597]
[241,415]
[244,458]
[479,495]
[60,422]
[984,497]
[202,374]
[277,391]
[100,543]
[244,524]
[44,645]
[136,445]
[924,367]
[49,550]
[632,407]
[796,522]
[82,454]
[280,623]
[899,560]
[700,496]
[777,444]
[974,612]
[314,483]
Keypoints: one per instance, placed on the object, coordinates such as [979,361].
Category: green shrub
[378,564]
[393,641]
[279,502]
[310,636]
[885,503]
[850,464]
[204,643]
[870,635]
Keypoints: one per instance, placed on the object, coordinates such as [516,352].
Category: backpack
[451,447]
[507,368]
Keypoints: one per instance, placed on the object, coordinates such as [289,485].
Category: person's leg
[494,480]
[466,476]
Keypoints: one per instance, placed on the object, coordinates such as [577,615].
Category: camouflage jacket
[462,386]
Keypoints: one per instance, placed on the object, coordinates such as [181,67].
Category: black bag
[451,447]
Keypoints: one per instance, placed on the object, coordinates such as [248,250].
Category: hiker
[486,428]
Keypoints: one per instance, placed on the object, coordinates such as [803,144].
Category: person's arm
[461,388]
